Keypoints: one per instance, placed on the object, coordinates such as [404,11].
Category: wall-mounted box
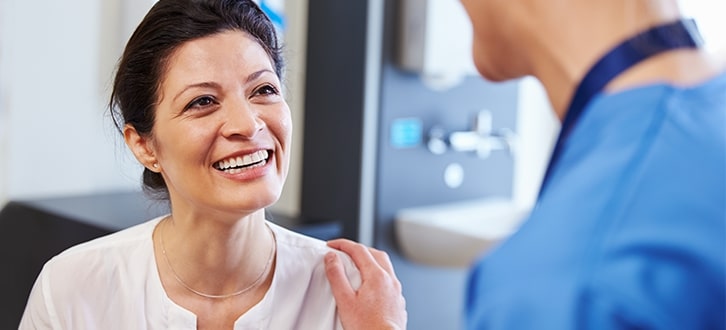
[434,40]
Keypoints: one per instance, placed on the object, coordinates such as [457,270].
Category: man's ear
[142,148]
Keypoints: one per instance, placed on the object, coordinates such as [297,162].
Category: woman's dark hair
[168,25]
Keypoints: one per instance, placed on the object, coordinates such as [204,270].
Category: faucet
[481,139]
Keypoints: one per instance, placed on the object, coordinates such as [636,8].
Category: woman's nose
[241,119]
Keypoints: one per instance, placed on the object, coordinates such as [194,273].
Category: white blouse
[112,283]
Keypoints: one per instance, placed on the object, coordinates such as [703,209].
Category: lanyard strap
[662,38]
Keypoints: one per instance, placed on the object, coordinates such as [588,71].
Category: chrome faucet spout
[482,139]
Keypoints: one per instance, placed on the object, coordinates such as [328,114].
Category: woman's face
[223,130]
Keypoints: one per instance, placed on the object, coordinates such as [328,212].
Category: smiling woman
[222,95]
[198,99]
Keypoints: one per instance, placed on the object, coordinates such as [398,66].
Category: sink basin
[456,234]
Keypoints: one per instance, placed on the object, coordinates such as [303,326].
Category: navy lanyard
[662,38]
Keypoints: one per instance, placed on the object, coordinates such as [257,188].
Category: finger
[342,291]
[341,243]
[383,260]
[359,253]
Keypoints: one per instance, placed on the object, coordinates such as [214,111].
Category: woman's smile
[245,165]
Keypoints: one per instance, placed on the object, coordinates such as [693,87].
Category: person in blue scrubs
[629,230]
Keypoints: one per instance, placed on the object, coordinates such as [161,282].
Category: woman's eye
[201,102]
[267,90]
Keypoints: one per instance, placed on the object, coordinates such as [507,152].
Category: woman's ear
[142,148]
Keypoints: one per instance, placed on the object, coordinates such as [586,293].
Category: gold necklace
[228,295]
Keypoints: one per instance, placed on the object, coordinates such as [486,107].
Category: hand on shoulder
[378,303]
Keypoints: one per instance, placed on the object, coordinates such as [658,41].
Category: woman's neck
[212,256]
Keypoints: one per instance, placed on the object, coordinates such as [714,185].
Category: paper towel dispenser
[435,41]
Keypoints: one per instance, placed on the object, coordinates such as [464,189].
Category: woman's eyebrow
[206,84]
[257,74]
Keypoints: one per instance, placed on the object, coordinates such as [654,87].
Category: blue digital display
[406,133]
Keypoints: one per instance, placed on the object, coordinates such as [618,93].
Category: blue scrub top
[631,232]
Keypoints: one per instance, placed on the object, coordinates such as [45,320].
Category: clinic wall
[294,49]
[56,60]
[3,112]
[709,17]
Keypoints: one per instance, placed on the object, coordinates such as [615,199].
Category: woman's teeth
[235,165]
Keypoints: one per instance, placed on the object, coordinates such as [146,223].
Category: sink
[456,234]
